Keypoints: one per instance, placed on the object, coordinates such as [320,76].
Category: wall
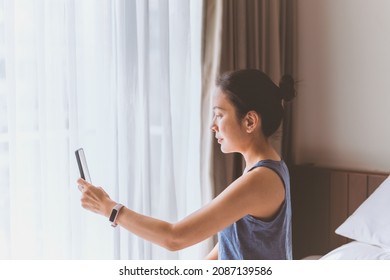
[341,113]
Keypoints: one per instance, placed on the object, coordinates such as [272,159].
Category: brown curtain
[255,34]
[288,12]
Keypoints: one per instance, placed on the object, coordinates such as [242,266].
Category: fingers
[94,198]
[88,203]
[89,198]
[83,183]
[90,192]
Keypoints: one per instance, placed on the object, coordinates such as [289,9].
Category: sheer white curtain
[120,79]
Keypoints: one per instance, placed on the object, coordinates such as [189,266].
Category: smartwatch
[114,214]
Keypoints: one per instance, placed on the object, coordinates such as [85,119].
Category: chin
[226,150]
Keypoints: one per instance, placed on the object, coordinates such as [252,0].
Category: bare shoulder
[264,190]
[263,177]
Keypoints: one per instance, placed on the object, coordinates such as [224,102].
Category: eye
[217,116]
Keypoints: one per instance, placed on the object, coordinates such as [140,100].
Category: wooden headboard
[322,199]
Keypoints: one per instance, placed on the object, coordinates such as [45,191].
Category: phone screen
[82,163]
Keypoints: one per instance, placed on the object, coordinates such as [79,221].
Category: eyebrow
[219,108]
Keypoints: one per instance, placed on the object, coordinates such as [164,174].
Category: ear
[251,121]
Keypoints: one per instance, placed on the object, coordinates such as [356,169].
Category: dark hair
[252,89]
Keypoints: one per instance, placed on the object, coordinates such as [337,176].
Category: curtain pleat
[287,25]
[121,79]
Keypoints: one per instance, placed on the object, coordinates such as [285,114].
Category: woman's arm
[213,255]
[259,193]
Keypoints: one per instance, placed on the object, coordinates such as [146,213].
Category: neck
[258,152]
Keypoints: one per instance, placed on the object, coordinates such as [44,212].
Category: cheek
[230,132]
[223,128]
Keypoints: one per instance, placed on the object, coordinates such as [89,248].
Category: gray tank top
[253,239]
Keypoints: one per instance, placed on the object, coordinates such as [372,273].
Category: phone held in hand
[82,164]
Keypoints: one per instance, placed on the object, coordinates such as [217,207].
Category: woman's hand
[95,199]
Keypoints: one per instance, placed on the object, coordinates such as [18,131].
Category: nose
[213,126]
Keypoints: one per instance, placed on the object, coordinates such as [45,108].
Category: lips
[219,140]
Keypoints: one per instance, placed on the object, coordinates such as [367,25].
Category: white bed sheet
[356,250]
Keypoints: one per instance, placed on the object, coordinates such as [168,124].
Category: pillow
[357,251]
[370,223]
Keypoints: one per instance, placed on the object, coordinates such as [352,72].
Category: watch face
[113,215]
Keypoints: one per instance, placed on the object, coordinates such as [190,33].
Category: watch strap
[114,214]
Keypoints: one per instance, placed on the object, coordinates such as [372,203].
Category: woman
[252,216]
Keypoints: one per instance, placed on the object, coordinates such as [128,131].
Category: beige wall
[342,111]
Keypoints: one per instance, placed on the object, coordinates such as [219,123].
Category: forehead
[221,101]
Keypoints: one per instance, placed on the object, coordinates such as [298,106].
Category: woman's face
[228,129]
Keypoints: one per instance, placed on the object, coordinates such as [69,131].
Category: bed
[340,214]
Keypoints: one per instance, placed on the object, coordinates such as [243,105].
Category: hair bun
[287,90]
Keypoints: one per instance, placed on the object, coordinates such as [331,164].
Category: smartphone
[82,163]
